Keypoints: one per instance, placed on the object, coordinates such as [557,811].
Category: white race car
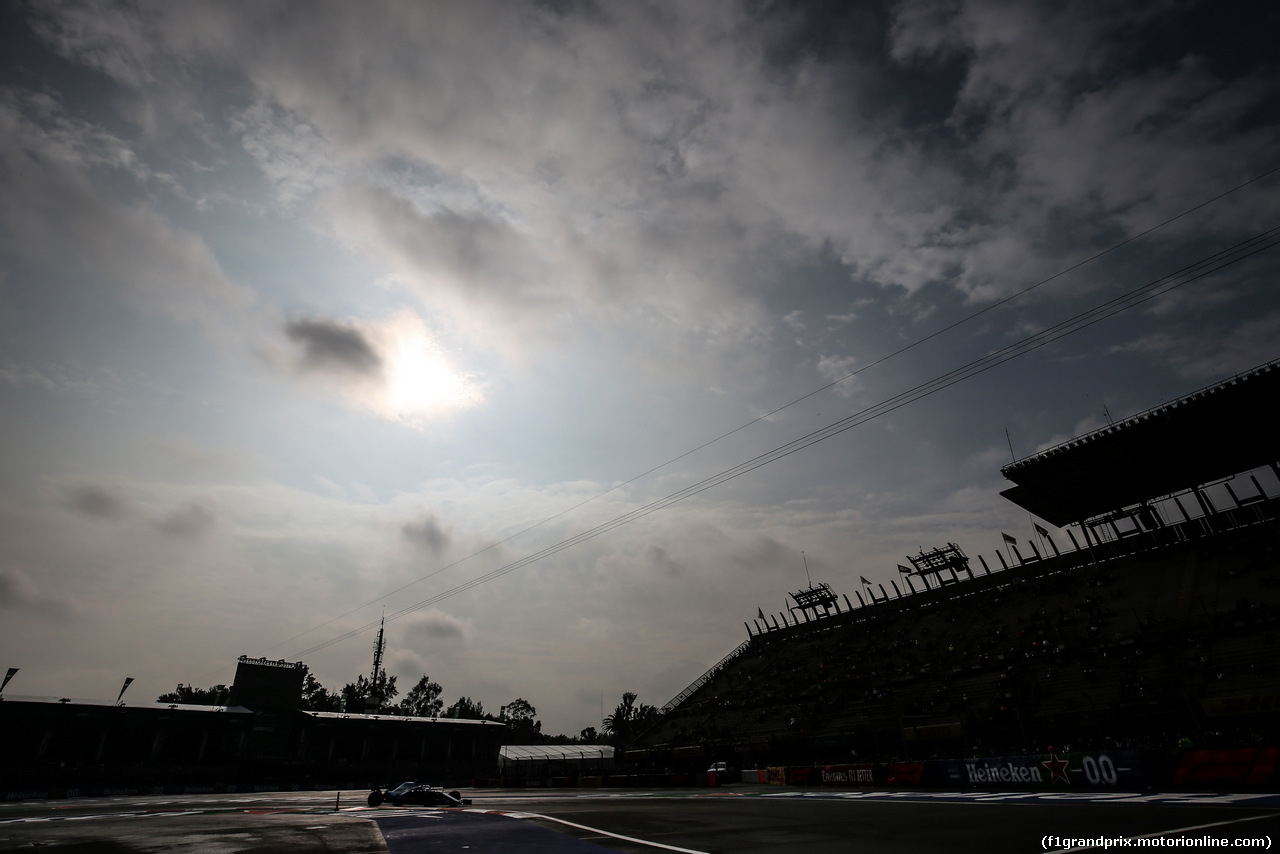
[411,793]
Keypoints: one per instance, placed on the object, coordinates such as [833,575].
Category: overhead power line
[787,405]
[1137,296]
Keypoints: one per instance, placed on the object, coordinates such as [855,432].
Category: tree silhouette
[423,699]
[315,697]
[522,724]
[466,709]
[628,720]
[359,696]
[190,695]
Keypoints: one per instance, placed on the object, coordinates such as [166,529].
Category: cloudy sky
[312,306]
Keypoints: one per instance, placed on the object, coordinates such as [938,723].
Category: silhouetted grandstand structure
[1156,625]
[263,683]
[1118,472]
[260,739]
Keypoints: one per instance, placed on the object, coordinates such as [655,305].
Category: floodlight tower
[949,557]
[816,600]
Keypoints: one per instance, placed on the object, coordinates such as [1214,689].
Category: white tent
[526,755]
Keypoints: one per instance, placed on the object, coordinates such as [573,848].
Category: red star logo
[1058,767]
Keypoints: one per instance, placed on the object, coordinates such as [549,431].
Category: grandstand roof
[1214,433]
[398,718]
[111,704]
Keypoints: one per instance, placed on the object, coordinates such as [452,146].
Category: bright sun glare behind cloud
[420,380]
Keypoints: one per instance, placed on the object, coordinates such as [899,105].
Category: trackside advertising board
[849,775]
[1242,766]
[910,774]
[1120,769]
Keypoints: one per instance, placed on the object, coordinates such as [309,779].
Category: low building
[259,739]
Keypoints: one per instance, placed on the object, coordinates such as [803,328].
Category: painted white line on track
[95,816]
[1170,831]
[607,833]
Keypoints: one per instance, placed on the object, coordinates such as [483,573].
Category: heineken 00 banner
[1109,769]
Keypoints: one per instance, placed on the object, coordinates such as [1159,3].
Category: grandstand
[1152,624]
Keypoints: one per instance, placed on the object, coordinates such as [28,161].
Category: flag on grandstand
[864,580]
[760,612]
[1041,531]
[7,677]
[904,570]
[128,680]
[1008,539]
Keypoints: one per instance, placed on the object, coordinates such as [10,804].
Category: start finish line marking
[633,839]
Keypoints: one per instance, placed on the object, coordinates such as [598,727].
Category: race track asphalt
[741,819]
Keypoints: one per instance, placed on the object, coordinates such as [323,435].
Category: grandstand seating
[1139,643]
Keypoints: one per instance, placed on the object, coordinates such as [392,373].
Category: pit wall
[1247,768]
[1250,768]
[1122,770]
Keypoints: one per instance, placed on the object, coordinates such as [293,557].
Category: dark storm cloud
[436,626]
[427,532]
[661,560]
[190,520]
[333,347]
[99,501]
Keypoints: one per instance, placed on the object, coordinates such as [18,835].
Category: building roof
[1212,434]
[547,752]
[100,703]
[393,718]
